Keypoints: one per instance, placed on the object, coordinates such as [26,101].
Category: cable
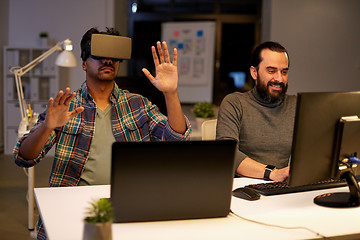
[278,226]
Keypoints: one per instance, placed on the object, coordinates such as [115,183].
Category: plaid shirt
[133,118]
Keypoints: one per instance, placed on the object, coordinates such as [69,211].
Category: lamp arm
[20,71]
[22,101]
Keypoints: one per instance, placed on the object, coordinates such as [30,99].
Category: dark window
[238,30]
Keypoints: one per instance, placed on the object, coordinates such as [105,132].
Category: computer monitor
[315,148]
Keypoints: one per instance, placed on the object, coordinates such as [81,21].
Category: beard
[264,91]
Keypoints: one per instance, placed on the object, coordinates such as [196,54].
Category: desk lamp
[65,59]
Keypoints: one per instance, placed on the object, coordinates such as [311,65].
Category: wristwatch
[268,170]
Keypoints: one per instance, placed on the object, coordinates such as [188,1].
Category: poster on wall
[195,42]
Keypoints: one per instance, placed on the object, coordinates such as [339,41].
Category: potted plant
[203,111]
[98,220]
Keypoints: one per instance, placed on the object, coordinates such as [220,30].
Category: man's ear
[84,65]
[253,72]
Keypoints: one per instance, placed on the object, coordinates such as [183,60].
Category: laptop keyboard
[274,188]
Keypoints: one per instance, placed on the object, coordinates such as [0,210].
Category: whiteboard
[195,42]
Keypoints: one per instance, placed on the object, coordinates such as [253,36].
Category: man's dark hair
[85,43]
[273,46]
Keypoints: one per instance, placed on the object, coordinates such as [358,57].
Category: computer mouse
[246,193]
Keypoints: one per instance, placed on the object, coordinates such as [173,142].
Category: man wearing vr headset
[84,124]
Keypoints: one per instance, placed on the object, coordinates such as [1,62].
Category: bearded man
[262,119]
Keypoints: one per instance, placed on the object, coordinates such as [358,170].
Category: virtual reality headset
[110,46]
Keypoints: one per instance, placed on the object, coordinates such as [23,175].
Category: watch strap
[268,170]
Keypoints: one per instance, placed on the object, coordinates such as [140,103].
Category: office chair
[208,129]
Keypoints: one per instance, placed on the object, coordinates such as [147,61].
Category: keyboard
[275,188]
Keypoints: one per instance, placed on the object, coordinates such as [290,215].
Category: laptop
[171,180]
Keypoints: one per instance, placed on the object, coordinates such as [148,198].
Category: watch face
[270,167]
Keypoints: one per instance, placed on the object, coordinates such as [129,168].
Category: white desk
[62,211]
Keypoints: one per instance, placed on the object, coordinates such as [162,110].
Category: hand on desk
[280,175]
[251,168]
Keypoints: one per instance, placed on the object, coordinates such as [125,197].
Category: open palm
[166,79]
[58,114]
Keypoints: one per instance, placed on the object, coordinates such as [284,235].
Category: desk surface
[63,209]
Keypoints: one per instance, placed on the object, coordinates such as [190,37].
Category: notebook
[171,180]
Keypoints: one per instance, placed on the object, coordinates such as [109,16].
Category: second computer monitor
[315,131]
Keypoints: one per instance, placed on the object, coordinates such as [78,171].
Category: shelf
[39,85]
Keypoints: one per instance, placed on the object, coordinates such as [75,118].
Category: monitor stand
[342,199]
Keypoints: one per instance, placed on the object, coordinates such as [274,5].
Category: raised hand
[58,114]
[167,78]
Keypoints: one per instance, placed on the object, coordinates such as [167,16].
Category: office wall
[61,19]
[322,38]
[4,29]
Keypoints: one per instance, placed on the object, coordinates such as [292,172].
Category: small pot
[97,231]
[199,122]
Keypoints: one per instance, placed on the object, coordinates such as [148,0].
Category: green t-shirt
[97,169]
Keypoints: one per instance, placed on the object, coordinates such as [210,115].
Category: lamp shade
[66,59]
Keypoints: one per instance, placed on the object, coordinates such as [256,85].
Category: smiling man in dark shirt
[262,119]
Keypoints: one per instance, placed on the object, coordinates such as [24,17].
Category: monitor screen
[314,148]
